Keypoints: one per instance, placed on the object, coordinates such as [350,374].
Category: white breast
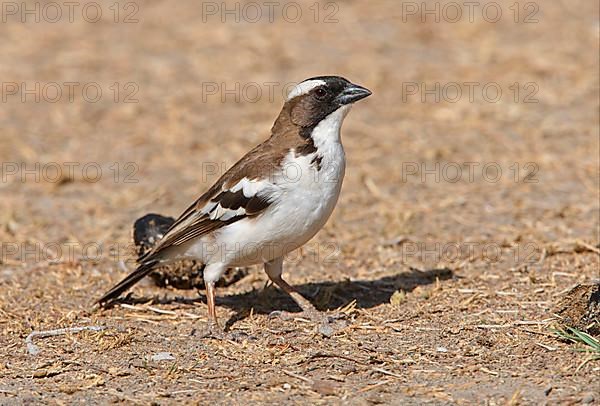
[312,193]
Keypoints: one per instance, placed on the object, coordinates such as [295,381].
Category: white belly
[306,200]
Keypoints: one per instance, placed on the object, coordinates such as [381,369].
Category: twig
[386,372]
[370,387]
[542,333]
[159,311]
[293,375]
[588,246]
[585,361]
[547,347]
[487,371]
[324,355]
[531,322]
[33,349]
[372,187]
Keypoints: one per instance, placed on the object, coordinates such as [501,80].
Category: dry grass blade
[349,308]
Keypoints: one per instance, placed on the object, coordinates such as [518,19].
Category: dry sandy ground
[448,280]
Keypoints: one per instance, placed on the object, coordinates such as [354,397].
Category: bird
[271,202]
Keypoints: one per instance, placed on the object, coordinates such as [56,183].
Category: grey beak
[353,93]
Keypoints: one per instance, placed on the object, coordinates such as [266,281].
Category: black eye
[320,93]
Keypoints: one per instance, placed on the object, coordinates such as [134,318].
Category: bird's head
[314,99]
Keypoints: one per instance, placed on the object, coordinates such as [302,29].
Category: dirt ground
[463,220]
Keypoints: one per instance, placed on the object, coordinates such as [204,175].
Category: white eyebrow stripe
[304,88]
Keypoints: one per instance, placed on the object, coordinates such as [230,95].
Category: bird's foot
[327,324]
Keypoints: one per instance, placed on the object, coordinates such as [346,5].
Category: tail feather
[131,279]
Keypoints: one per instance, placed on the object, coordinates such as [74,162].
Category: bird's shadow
[323,295]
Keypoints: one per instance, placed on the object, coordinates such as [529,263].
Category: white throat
[328,130]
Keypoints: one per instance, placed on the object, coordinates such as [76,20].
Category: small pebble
[162,356]
[326,330]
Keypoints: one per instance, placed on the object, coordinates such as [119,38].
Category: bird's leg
[307,307]
[326,324]
[212,329]
[274,269]
[210,301]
